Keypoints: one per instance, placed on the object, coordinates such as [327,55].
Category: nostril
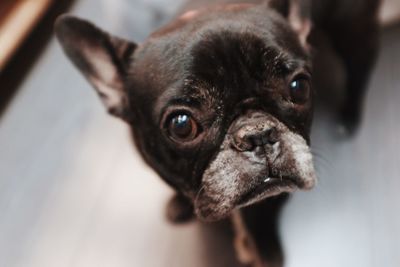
[265,137]
[243,143]
[272,136]
[249,139]
[258,139]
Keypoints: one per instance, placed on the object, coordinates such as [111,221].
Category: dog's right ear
[103,59]
[291,10]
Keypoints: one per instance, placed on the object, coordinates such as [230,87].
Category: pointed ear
[102,58]
[291,10]
[302,25]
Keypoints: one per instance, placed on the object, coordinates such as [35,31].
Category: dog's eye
[183,127]
[300,90]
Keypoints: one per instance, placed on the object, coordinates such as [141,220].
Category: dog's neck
[244,244]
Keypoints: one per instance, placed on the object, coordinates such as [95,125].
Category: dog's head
[219,101]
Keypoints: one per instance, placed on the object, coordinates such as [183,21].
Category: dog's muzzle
[260,157]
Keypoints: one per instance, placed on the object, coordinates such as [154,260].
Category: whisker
[198,194]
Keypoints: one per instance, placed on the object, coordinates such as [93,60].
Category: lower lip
[269,187]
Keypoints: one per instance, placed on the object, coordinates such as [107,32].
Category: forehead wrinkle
[214,45]
[196,94]
[275,60]
[202,90]
[279,61]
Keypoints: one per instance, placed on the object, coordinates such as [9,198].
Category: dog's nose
[247,138]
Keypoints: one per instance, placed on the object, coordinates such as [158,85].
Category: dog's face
[219,101]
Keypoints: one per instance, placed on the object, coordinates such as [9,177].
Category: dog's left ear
[103,59]
[291,10]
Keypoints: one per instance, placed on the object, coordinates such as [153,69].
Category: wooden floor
[73,191]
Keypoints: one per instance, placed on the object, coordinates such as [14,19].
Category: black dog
[220,102]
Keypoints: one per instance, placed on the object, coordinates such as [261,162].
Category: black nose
[247,138]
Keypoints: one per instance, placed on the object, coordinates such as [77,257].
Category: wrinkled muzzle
[260,157]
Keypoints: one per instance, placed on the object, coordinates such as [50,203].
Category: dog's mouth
[268,187]
[214,208]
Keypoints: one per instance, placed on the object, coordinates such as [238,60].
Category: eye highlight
[300,88]
[182,127]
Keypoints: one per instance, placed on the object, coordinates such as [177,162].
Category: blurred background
[74,192]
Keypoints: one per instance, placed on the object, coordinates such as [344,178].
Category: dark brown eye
[183,127]
[300,90]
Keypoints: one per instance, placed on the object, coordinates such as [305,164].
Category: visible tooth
[267,180]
